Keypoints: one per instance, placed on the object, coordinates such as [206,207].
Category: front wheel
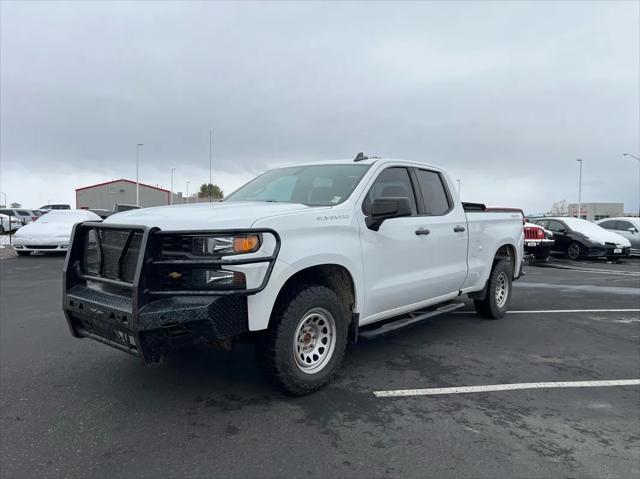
[496,301]
[307,339]
[574,250]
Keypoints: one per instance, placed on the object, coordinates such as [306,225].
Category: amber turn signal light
[246,244]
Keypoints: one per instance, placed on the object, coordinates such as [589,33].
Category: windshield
[583,226]
[313,185]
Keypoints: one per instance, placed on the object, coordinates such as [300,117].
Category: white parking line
[505,387]
[540,311]
[594,270]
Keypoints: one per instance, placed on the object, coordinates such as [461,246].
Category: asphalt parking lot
[74,408]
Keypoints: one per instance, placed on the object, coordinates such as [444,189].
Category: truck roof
[366,161]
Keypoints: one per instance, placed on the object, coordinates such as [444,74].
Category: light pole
[579,160]
[635,158]
[138,173]
[171,189]
[5,199]
[187,192]
[458,180]
[210,156]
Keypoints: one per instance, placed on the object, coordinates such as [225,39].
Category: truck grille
[116,255]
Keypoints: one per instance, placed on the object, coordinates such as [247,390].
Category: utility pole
[138,173]
[210,159]
[579,160]
[636,158]
[171,189]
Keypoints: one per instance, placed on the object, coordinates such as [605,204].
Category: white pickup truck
[300,260]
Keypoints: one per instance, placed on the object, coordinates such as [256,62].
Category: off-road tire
[23,253]
[489,307]
[574,250]
[277,347]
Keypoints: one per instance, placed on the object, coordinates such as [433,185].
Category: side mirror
[633,230]
[387,208]
[562,231]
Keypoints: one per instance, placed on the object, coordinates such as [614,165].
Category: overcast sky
[504,95]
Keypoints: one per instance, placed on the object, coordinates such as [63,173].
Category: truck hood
[204,216]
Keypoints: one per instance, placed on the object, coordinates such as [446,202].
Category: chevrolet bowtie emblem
[175,275]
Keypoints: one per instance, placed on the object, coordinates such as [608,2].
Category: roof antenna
[360,157]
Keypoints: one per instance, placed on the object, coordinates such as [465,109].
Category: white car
[6,220]
[628,227]
[51,232]
[300,259]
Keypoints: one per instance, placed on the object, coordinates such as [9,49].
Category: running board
[407,320]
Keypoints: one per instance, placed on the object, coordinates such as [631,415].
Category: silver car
[628,227]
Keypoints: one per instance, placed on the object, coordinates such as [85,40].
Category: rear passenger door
[445,247]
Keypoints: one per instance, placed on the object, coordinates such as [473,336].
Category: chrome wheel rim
[314,340]
[502,290]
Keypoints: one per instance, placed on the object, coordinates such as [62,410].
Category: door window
[391,183]
[435,199]
[555,225]
[624,226]
[23,213]
[608,225]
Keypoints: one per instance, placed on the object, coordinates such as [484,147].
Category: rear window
[23,213]
[435,197]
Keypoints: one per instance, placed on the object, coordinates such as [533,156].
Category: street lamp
[187,192]
[138,173]
[579,160]
[636,158]
[171,189]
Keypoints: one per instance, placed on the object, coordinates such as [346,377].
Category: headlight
[225,245]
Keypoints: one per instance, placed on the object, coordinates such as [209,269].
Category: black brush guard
[136,315]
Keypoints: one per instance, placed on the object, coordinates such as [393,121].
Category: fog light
[221,279]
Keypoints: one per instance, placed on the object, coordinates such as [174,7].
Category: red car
[537,241]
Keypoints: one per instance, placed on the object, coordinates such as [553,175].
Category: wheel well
[506,252]
[333,276]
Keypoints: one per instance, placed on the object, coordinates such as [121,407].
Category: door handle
[459,229]
[422,231]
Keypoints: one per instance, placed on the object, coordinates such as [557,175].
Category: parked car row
[578,238]
[9,223]
[51,233]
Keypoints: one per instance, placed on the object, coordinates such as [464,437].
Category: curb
[7,252]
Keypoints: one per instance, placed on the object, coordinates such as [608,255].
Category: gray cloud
[506,93]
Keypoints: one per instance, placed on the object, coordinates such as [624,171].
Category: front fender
[260,306]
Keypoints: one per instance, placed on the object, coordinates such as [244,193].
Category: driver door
[393,257]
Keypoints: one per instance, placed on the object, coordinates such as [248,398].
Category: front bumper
[42,248]
[134,314]
[607,251]
[159,327]
[532,246]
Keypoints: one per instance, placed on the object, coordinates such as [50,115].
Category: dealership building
[596,211]
[105,196]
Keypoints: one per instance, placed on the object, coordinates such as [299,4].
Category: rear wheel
[574,250]
[498,295]
[307,339]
